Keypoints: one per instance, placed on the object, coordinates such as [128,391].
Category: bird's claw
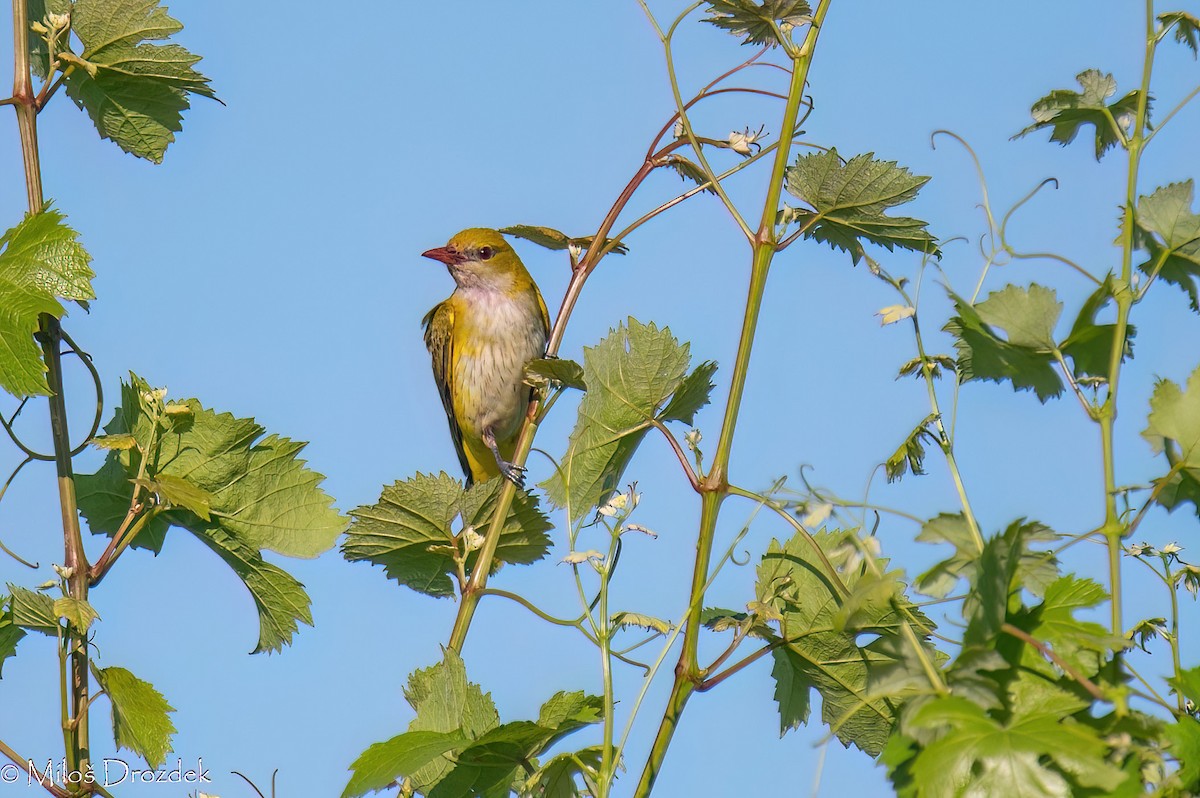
[513,473]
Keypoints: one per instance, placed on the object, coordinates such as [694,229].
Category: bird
[480,338]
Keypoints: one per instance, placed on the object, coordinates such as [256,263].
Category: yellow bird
[480,339]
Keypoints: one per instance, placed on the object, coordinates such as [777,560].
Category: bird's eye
[485,253]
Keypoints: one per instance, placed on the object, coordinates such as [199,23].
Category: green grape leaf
[1007,564]
[1084,645]
[134,91]
[822,651]
[409,530]
[1090,345]
[278,597]
[33,611]
[10,633]
[631,374]
[1174,429]
[492,761]
[76,612]
[562,371]
[383,763]
[257,487]
[445,701]
[756,22]
[689,171]
[557,240]
[1169,231]
[1032,755]
[140,715]
[556,778]
[910,456]
[173,490]
[1065,111]
[691,395]
[1184,737]
[848,202]
[1027,315]
[41,263]
[1186,28]
[983,355]
[939,580]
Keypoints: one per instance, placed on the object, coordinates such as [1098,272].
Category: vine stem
[714,489]
[50,336]
[1113,527]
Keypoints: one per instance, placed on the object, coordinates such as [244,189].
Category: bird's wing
[545,312]
[439,340]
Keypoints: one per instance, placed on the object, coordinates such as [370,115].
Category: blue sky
[270,267]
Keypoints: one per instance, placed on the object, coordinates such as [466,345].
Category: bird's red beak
[446,255]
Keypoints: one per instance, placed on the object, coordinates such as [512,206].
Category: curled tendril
[3,490]
[742,562]
[16,439]
[86,359]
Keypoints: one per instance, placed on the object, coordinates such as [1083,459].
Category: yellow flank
[480,339]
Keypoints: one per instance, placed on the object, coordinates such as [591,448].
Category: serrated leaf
[1066,111]
[384,763]
[1090,345]
[409,531]
[34,611]
[1186,28]
[689,171]
[140,714]
[41,263]
[1169,231]
[445,701]
[1184,737]
[632,620]
[822,651]
[933,363]
[910,456]
[175,490]
[983,355]
[756,22]
[1031,756]
[556,240]
[258,488]
[691,395]
[848,203]
[722,620]
[1034,569]
[556,777]
[118,442]
[79,614]
[1084,645]
[1027,315]
[630,375]
[278,597]
[563,371]
[135,92]
[492,761]
[1174,428]
[10,633]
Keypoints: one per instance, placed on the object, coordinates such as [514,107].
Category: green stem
[1113,527]
[688,673]
[50,337]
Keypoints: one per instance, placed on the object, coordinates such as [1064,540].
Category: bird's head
[480,257]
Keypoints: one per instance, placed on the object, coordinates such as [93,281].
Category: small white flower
[63,571]
[1141,549]
[575,250]
[473,539]
[1171,548]
[49,583]
[817,515]
[745,142]
[894,313]
[679,129]
[692,438]
[576,557]
[640,528]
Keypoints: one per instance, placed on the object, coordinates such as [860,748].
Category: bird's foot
[513,473]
